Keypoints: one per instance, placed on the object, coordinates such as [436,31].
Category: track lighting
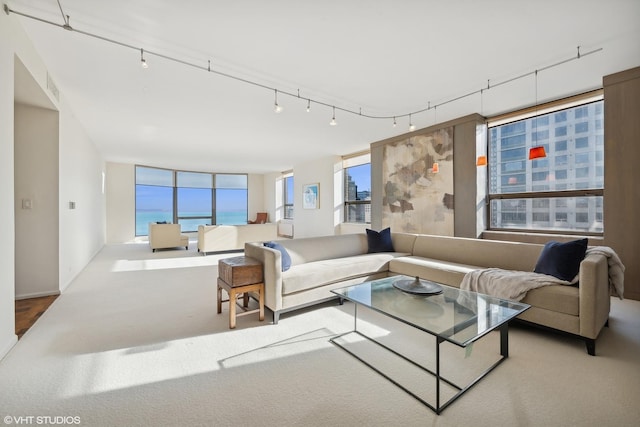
[537,151]
[276,107]
[394,121]
[143,62]
[333,119]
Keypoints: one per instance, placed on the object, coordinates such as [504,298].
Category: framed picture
[311,196]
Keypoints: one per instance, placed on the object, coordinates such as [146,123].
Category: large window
[357,189]
[154,197]
[194,199]
[287,191]
[561,192]
[189,198]
[231,199]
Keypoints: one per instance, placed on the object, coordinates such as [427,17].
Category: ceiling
[383,58]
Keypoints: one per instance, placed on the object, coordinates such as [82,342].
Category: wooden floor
[29,310]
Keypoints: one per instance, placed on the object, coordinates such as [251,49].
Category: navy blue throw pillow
[379,241]
[286,258]
[562,260]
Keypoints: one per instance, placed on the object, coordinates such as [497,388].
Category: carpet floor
[135,341]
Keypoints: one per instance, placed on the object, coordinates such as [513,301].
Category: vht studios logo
[41,420]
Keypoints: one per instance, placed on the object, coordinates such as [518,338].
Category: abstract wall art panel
[418,184]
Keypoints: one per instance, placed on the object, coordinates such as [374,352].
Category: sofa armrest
[271,260]
[595,300]
[200,237]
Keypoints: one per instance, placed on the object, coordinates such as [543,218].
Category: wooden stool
[240,276]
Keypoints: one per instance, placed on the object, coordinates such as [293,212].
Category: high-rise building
[573,139]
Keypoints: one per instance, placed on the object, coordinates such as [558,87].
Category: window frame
[288,205]
[554,107]
[352,161]
[175,187]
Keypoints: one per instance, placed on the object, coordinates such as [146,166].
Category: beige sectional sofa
[320,264]
[218,238]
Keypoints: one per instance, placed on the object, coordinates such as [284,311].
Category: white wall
[81,233]
[82,230]
[121,202]
[272,200]
[322,221]
[255,183]
[36,201]
[7,273]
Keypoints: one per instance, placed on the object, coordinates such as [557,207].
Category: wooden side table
[240,276]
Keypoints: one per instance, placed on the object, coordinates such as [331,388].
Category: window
[154,197]
[562,192]
[357,189]
[561,145]
[194,200]
[287,183]
[188,198]
[231,199]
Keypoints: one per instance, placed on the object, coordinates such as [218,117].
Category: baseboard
[37,295]
[5,350]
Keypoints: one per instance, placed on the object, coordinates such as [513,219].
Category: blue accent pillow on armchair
[562,260]
[379,241]
[286,258]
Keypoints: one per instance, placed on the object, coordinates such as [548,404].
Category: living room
[89,198]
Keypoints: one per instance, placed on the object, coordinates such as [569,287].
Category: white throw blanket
[506,284]
[616,269]
[514,285]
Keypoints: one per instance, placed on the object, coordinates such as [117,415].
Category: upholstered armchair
[166,236]
[261,218]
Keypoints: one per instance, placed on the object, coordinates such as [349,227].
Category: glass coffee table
[449,314]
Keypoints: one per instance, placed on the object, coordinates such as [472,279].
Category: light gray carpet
[136,341]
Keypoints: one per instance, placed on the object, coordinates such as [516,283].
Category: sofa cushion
[310,249]
[286,259]
[379,241]
[562,260]
[448,273]
[319,273]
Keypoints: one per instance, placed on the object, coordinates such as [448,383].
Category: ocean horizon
[144,217]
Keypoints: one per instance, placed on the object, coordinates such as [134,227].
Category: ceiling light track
[67,26]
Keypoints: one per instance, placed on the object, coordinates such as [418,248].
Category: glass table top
[455,315]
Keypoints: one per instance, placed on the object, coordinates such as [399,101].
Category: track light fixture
[537,152]
[143,62]
[333,119]
[394,122]
[66,26]
[276,107]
